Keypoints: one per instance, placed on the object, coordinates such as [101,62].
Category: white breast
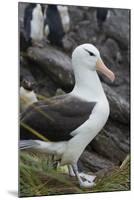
[63,10]
[37,24]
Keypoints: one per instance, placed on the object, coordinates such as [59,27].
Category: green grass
[38,178]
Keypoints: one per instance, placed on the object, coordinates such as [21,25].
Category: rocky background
[50,69]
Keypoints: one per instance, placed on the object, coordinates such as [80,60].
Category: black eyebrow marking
[90,53]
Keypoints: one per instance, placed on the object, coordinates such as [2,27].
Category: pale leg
[70,170]
[87,177]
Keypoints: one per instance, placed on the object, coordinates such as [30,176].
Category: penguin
[27,85]
[27,80]
[33,24]
[56,23]
[27,97]
[101,15]
[65,18]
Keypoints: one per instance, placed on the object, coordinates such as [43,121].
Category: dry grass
[37,178]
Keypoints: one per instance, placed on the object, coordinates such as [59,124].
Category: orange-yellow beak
[100,66]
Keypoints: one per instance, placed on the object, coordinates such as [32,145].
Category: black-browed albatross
[71,121]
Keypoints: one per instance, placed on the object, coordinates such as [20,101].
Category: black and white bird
[33,23]
[70,122]
[27,97]
[56,23]
[65,18]
[27,84]
[27,80]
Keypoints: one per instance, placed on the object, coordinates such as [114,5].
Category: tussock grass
[38,178]
[116,180]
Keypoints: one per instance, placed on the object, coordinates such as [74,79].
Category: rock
[112,50]
[119,107]
[69,42]
[30,73]
[115,60]
[110,54]
[77,15]
[105,172]
[94,162]
[117,27]
[44,86]
[112,143]
[86,32]
[56,64]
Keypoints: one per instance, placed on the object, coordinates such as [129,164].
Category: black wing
[56,118]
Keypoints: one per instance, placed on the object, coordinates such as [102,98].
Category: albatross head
[88,56]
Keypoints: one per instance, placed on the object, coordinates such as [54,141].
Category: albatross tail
[57,148]
[27,144]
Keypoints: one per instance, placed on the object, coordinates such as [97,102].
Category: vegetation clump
[38,178]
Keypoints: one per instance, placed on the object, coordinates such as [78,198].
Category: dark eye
[90,53]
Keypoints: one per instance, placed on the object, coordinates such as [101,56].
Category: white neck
[87,85]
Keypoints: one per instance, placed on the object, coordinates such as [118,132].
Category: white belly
[37,24]
[63,10]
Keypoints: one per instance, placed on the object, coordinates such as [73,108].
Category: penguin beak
[100,66]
